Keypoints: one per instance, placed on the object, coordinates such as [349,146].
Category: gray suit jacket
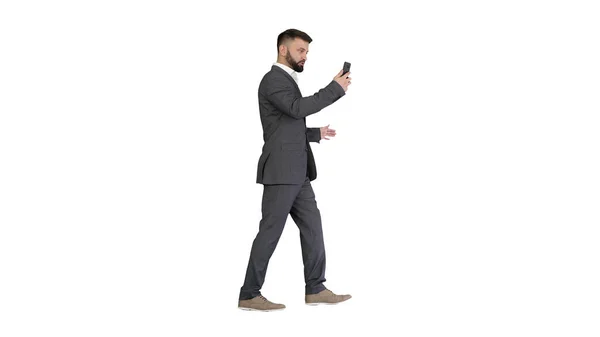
[286,154]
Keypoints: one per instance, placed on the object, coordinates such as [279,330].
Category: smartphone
[346,68]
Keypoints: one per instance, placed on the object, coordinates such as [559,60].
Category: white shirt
[289,70]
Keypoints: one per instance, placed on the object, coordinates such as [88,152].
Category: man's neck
[284,62]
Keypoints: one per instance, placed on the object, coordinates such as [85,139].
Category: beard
[297,68]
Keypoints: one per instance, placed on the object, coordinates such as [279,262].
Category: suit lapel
[288,76]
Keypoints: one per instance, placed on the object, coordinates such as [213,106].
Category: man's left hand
[327,132]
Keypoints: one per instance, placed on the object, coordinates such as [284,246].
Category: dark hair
[291,34]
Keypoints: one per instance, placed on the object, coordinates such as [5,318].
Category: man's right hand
[344,80]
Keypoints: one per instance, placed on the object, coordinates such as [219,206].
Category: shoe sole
[326,303]
[252,309]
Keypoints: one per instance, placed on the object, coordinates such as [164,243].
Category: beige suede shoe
[325,297]
[259,303]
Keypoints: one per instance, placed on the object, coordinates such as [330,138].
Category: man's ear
[282,49]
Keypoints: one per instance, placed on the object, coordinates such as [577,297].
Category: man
[286,168]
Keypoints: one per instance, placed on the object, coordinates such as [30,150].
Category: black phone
[346,68]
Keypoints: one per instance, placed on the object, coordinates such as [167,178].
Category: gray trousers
[279,201]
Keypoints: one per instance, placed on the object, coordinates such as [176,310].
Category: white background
[460,197]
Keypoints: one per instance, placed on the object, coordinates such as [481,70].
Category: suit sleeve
[283,96]
[313,134]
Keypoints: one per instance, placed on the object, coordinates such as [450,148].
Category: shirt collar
[289,70]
